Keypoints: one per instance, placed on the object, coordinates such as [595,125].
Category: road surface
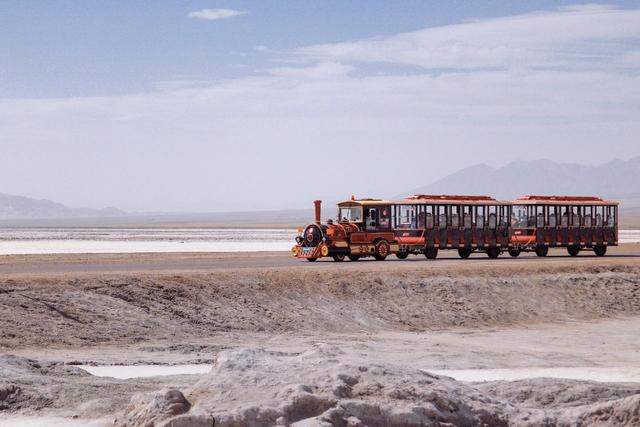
[626,254]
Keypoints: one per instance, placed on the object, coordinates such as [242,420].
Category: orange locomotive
[424,224]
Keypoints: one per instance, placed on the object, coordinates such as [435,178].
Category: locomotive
[424,224]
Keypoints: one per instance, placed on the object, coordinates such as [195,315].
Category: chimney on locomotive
[317,204]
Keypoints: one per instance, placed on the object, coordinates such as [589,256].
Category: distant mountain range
[19,211]
[19,207]
[618,179]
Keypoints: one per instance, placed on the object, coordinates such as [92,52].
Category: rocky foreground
[321,387]
[321,348]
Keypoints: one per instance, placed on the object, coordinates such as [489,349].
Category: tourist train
[425,224]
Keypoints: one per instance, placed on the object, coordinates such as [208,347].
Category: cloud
[215,14]
[579,37]
[323,70]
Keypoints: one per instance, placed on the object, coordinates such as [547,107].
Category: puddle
[141,371]
[621,374]
[33,421]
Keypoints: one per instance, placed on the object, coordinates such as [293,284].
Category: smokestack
[317,204]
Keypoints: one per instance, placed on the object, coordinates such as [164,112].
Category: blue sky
[152,106]
[87,48]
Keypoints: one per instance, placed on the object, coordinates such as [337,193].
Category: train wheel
[542,250]
[382,250]
[312,259]
[514,252]
[493,253]
[600,250]
[573,250]
[338,257]
[431,253]
[464,252]
[402,255]
[354,257]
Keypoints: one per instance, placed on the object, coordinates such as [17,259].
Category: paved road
[627,254]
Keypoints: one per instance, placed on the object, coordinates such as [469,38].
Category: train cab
[374,235]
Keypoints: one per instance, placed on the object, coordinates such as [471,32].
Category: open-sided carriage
[428,223]
[574,222]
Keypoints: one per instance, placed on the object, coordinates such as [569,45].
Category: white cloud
[215,14]
[578,37]
[322,70]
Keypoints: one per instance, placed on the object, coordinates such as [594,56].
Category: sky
[243,105]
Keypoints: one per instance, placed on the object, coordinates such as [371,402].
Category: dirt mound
[252,387]
[545,401]
[30,386]
[125,309]
[622,412]
[20,378]
[159,409]
[567,393]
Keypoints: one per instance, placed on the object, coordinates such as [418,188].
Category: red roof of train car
[587,200]
[449,197]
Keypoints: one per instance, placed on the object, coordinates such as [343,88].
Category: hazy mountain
[618,178]
[19,207]
[18,211]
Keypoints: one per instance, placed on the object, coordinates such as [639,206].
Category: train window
[419,222]
[352,214]
[531,216]
[480,216]
[442,217]
[393,213]
[574,216]
[493,220]
[571,214]
[519,216]
[372,222]
[392,216]
[406,216]
[428,216]
[384,217]
[466,216]
[580,216]
[564,217]
[539,211]
[503,218]
[587,216]
[552,216]
[599,215]
[610,216]
[455,217]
